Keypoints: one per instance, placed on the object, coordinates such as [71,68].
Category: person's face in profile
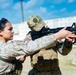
[7,32]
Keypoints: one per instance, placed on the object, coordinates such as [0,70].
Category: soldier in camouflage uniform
[9,65]
[45,61]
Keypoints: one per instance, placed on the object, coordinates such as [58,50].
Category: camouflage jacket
[12,49]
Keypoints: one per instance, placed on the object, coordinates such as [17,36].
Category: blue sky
[46,9]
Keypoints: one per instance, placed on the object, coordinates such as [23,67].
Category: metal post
[22,10]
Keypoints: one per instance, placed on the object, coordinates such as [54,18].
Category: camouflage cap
[35,22]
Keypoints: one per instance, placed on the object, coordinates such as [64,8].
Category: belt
[49,70]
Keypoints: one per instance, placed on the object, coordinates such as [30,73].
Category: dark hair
[3,21]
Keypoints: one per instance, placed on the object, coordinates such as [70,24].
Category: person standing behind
[45,61]
[9,65]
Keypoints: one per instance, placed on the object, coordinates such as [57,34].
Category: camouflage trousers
[35,72]
[9,74]
[17,72]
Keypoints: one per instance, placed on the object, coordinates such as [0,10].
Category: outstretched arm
[27,47]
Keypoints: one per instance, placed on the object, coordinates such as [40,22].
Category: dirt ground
[65,63]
